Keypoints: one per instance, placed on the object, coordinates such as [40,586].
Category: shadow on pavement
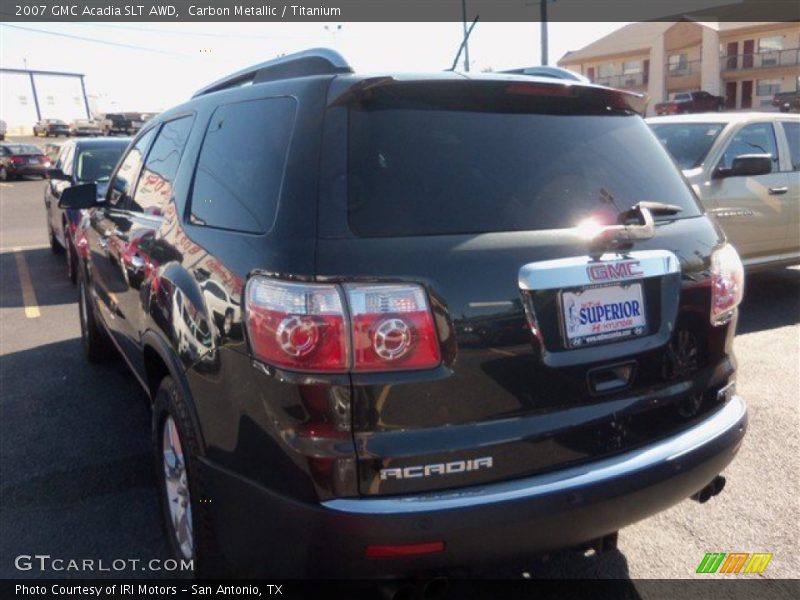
[48,274]
[771,300]
[75,461]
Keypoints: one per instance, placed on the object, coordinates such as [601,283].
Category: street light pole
[543,25]
[466,43]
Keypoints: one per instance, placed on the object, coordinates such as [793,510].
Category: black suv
[397,323]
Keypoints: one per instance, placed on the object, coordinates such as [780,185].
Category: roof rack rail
[316,61]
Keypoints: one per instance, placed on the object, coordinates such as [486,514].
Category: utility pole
[543,25]
[466,43]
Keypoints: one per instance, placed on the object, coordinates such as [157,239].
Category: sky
[152,66]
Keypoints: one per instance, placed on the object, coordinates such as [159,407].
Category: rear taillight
[297,326]
[17,160]
[727,284]
[386,327]
[392,328]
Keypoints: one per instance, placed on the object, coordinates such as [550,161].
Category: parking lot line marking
[23,248]
[28,295]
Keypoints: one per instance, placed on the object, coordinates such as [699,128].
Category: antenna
[464,43]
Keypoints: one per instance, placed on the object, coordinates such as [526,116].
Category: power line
[97,41]
[190,33]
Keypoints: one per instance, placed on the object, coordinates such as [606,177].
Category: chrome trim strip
[772,258]
[574,271]
[731,416]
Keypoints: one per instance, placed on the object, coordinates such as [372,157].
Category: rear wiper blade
[659,208]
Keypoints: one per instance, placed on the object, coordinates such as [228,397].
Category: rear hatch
[488,194]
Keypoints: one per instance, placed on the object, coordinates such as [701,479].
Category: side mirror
[79,196]
[747,165]
[56,174]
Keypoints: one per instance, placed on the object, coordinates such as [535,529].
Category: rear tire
[185,512]
[94,339]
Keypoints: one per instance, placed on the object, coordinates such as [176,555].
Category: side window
[121,186]
[792,131]
[158,175]
[240,169]
[756,138]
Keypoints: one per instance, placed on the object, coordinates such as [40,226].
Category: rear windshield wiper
[659,208]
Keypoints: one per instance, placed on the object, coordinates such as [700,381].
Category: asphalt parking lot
[74,439]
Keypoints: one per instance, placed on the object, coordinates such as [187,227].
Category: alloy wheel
[176,482]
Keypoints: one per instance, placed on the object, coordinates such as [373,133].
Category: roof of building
[640,36]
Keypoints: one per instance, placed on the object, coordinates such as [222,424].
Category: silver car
[745,168]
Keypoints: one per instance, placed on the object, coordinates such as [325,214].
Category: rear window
[688,143]
[240,170]
[420,171]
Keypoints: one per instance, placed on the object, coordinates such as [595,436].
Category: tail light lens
[392,328]
[727,284]
[305,327]
[297,326]
[17,159]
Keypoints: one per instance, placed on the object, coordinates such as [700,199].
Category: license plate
[33,161]
[603,314]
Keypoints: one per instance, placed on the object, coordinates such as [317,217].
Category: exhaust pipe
[398,590]
[712,489]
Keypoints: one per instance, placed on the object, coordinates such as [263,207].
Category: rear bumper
[261,532]
[37,170]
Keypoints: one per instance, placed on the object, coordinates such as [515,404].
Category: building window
[768,87]
[770,44]
[631,67]
[606,70]
[678,63]
[770,50]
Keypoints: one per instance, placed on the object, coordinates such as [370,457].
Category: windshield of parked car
[96,164]
[420,171]
[22,149]
[688,143]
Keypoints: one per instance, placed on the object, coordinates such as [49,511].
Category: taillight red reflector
[401,550]
[392,327]
[17,159]
[296,325]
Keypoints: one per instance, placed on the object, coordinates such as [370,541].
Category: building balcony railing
[623,82]
[689,67]
[761,60]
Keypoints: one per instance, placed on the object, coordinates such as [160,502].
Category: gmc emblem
[611,271]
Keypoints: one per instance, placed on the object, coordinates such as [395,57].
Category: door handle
[776,191]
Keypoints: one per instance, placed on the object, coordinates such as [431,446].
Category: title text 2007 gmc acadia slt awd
[399,323]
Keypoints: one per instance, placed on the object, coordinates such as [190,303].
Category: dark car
[51,127]
[787,101]
[690,102]
[115,123]
[19,160]
[360,228]
[79,161]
